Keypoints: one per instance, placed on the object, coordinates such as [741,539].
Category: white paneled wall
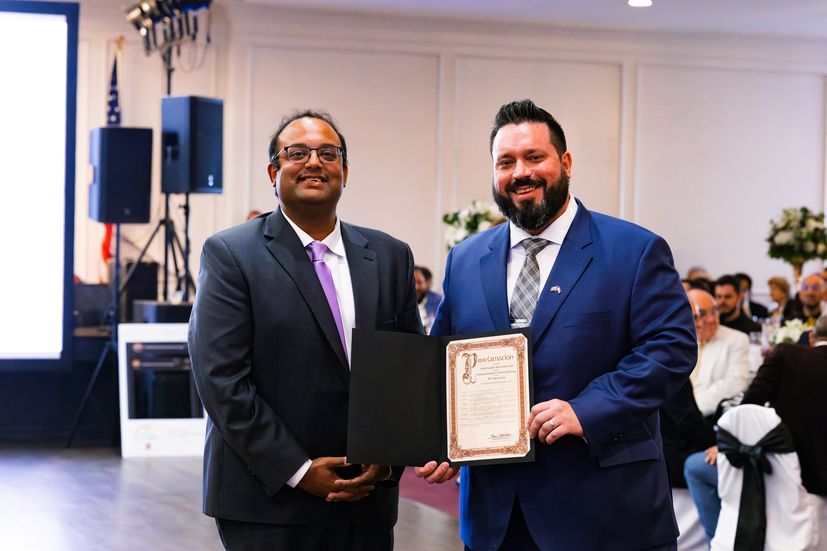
[702,138]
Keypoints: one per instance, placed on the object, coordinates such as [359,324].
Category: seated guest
[810,295]
[793,380]
[780,294]
[751,308]
[722,371]
[728,297]
[427,299]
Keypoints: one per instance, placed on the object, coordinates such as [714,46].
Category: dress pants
[518,538]
[336,534]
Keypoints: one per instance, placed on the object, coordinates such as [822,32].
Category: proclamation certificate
[488,397]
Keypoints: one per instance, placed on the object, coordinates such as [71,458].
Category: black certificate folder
[399,407]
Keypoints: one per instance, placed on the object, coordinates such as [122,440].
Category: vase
[797,267]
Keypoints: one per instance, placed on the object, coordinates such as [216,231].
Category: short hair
[701,283]
[781,283]
[820,330]
[272,148]
[741,276]
[426,273]
[525,110]
[728,280]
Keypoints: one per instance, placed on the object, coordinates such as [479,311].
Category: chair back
[790,522]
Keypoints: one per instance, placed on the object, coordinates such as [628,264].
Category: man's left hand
[552,419]
[371,474]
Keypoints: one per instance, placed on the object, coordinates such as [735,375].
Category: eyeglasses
[814,287]
[703,314]
[300,154]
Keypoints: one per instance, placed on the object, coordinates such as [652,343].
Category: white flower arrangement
[477,217]
[790,332]
[798,236]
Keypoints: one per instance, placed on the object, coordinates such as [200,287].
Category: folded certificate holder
[463,399]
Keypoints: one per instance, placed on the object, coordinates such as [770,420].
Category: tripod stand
[170,236]
[171,241]
[111,346]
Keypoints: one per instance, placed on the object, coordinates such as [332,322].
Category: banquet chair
[790,523]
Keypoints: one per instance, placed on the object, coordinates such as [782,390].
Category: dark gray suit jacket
[270,368]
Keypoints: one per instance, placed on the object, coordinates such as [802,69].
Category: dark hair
[425,272]
[729,280]
[741,276]
[524,110]
[701,284]
[272,149]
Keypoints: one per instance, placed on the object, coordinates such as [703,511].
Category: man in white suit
[722,371]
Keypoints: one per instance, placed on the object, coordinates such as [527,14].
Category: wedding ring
[551,424]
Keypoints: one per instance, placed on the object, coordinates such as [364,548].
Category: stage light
[176,18]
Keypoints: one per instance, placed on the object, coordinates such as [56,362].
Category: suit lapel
[287,249]
[571,262]
[364,274]
[492,270]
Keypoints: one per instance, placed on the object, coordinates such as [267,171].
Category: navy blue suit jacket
[616,342]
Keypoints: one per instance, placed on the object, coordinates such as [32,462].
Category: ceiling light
[640,3]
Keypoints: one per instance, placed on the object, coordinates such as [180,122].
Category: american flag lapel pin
[555,289]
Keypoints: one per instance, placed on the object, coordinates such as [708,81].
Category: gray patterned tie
[524,298]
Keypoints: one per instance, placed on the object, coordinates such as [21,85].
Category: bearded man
[612,337]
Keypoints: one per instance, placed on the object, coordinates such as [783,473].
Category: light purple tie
[317,250]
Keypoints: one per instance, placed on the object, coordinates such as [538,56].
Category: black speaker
[121,160]
[142,286]
[152,311]
[192,144]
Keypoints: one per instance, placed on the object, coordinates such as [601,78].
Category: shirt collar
[555,232]
[333,240]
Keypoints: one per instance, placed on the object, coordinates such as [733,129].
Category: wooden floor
[67,500]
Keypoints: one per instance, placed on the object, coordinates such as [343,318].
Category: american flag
[113,106]
[113,118]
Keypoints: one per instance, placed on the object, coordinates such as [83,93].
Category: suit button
[618,437]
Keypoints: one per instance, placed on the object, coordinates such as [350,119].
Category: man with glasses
[811,293]
[270,341]
[722,371]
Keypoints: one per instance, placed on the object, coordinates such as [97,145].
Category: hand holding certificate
[415,398]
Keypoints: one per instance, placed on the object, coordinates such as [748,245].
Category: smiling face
[303,187]
[531,179]
[705,312]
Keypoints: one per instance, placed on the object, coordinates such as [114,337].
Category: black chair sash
[751,530]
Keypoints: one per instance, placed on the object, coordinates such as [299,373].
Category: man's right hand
[320,480]
[434,473]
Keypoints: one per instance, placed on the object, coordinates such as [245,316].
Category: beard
[528,215]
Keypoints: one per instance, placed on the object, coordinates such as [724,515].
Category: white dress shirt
[336,260]
[555,234]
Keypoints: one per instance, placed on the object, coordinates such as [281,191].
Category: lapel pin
[556,289]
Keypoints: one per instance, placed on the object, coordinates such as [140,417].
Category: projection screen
[38,64]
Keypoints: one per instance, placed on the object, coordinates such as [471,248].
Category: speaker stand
[172,247]
[111,346]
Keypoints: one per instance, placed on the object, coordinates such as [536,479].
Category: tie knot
[317,250]
[533,245]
